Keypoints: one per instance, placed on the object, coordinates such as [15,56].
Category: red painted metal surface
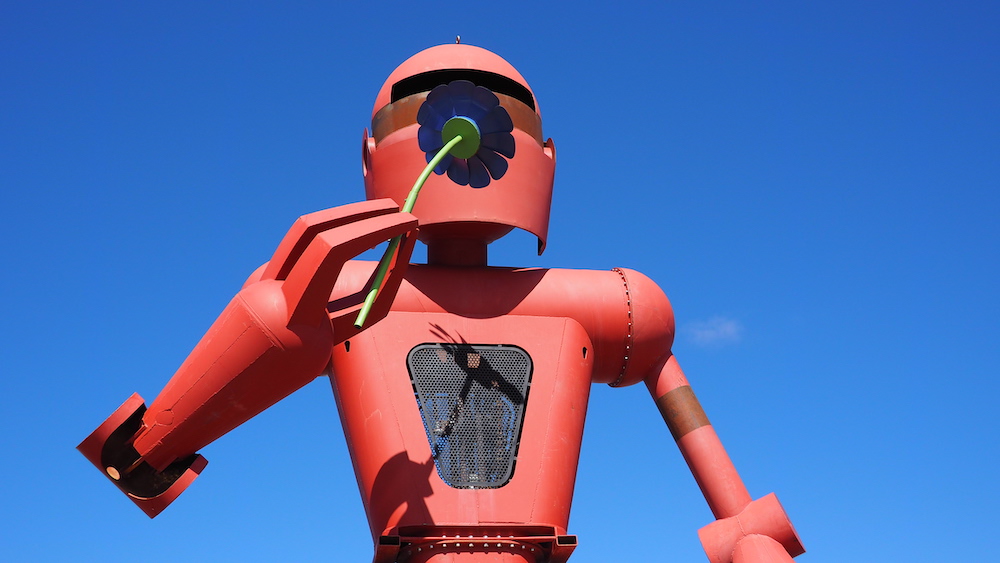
[389,445]
[294,317]
[447,211]
[757,548]
[150,491]
[761,532]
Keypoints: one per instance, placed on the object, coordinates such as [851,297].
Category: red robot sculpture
[462,388]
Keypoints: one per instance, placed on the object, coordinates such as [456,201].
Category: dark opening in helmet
[497,83]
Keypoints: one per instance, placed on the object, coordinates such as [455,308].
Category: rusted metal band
[681,411]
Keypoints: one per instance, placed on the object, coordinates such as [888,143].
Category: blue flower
[462,101]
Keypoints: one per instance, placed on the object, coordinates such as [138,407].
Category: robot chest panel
[483,406]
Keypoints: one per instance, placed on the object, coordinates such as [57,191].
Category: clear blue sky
[815,187]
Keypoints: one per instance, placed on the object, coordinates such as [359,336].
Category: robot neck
[456,252]
[460,243]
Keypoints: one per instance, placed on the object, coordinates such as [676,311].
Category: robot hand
[745,530]
[273,337]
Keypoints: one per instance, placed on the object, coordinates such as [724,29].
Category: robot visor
[408,94]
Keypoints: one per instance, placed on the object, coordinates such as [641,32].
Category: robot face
[392,159]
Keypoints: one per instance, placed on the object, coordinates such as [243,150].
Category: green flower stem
[411,200]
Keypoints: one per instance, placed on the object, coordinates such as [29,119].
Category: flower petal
[444,107]
[502,143]
[429,116]
[466,108]
[428,139]
[459,172]
[445,163]
[461,93]
[461,89]
[438,92]
[498,120]
[479,104]
[479,176]
[485,99]
[496,165]
[441,101]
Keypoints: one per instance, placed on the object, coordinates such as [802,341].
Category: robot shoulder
[651,323]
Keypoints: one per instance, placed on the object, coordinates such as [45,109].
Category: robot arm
[745,531]
[273,337]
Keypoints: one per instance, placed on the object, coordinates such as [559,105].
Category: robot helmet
[392,159]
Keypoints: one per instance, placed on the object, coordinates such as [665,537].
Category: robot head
[392,159]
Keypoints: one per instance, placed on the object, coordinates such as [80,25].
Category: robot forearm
[273,337]
[247,361]
[745,531]
[697,441]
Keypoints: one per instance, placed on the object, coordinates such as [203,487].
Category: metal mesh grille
[472,402]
